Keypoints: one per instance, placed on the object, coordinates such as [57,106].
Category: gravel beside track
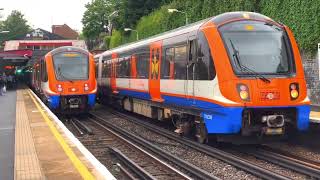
[218,168]
[103,139]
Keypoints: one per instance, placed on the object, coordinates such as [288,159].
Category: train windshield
[71,66]
[257,48]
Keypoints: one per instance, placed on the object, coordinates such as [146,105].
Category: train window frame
[44,74]
[123,67]
[170,65]
[143,63]
[77,79]
[183,63]
[206,59]
[106,67]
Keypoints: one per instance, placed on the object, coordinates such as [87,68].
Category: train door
[133,71]
[113,82]
[192,58]
[154,71]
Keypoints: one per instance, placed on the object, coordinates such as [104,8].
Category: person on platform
[2,84]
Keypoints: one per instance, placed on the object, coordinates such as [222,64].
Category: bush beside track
[300,16]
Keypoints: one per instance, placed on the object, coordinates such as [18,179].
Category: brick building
[65,31]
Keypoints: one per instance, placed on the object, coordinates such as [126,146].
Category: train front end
[260,77]
[72,80]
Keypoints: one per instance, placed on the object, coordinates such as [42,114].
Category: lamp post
[4,32]
[110,17]
[176,10]
[129,29]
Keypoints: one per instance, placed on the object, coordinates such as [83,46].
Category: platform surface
[7,127]
[315,116]
[41,149]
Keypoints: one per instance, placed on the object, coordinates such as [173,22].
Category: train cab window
[204,68]
[71,66]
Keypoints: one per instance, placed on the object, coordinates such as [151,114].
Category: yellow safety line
[82,169]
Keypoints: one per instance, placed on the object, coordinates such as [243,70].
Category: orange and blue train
[65,80]
[238,75]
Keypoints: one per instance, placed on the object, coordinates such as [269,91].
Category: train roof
[68,48]
[219,19]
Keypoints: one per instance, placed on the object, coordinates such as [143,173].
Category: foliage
[116,39]
[300,16]
[95,18]
[16,24]
[130,11]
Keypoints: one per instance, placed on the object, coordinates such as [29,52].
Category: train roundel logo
[270,96]
[155,65]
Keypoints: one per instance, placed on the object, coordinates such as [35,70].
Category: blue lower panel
[303,121]
[91,100]
[219,119]
[135,94]
[223,120]
[53,102]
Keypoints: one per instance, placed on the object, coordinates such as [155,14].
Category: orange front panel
[154,71]
[71,87]
[258,90]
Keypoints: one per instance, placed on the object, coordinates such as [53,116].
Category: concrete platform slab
[43,150]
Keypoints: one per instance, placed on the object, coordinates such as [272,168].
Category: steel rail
[83,126]
[190,168]
[132,165]
[208,150]
[76,127]
[285,161]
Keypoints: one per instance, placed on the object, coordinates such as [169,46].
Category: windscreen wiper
[236,56]
[61,75]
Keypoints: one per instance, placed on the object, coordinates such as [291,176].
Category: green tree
[133,10]
[95,20]
[16,24]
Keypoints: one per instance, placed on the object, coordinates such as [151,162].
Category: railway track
[208,150]
[135,161]
[285,159]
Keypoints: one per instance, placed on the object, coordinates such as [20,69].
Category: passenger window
[180,62]
[104,69]
[175,63]
[142,63]
[124,68]
[168,70]
[204,69]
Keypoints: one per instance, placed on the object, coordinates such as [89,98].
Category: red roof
[16,53]
[45,43]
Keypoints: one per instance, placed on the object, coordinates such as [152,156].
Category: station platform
[34,144]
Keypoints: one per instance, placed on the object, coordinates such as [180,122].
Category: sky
[45,13]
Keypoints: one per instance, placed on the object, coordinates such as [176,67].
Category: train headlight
[86,87]
[59,88]
[243,91]
[294,91]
